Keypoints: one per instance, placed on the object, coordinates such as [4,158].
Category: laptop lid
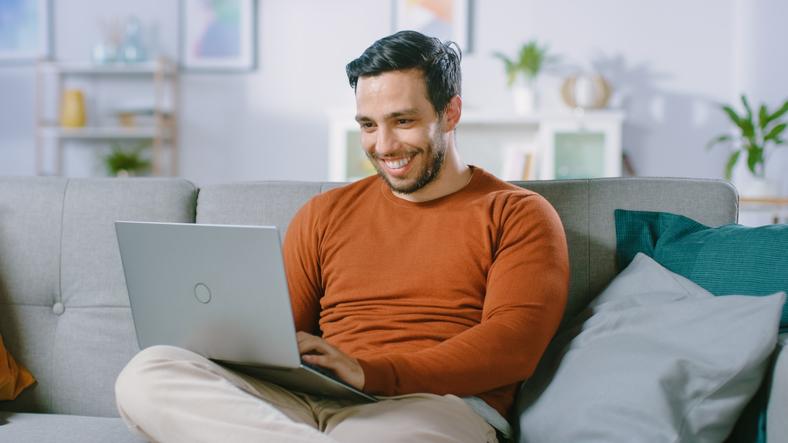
[218,290]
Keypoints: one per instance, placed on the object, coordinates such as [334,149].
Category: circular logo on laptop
[202,293]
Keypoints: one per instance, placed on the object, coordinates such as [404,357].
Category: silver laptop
[219,291]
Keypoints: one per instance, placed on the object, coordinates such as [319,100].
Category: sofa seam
[59,296]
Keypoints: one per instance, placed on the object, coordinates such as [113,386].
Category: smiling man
[433,285]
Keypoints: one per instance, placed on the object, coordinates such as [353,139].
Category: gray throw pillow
[654,358]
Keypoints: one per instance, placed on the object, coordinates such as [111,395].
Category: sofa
[64,309]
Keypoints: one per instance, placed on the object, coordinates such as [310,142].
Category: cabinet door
[580,148]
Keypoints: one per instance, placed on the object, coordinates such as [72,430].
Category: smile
[398,164]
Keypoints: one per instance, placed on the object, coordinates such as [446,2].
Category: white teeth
[396,164]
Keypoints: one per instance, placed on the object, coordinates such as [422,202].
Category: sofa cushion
[729,259]
[654,356]
[64,310]
[36,428]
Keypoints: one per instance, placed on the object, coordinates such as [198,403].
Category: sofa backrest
[585,207]
[64,310]
[63,303]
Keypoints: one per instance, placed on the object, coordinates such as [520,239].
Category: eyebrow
[390,116]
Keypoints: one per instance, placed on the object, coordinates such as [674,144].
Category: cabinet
[147,91]
[543,146]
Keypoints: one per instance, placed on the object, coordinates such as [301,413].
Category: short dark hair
[439,61]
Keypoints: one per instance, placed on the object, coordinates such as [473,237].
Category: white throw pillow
[655,358]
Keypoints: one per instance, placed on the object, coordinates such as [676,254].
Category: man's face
[400,130]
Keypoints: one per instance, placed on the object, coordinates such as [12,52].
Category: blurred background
[643,83]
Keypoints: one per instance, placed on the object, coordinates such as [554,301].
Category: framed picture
[218,35]
[24,30]
[444,19]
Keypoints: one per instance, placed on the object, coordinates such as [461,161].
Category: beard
[435,155]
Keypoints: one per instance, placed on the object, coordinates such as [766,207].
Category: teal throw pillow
[729,259]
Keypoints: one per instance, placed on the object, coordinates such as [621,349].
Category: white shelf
[156,122]
[103,132]
[87,68]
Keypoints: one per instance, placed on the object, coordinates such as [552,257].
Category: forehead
[391,91]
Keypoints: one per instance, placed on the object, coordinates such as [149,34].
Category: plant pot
[525,99]
[758,187]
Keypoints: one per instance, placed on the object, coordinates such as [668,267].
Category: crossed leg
[169,394]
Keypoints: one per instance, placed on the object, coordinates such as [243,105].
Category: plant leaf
[746,106]
[763,117]
[717,140]
[778,113]
[774,134]
[731,163]
[754,158]
[732,115]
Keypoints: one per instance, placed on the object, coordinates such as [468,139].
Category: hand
[316,351]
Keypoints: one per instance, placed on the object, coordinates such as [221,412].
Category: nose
[385,142]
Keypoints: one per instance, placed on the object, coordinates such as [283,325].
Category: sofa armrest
[776,424]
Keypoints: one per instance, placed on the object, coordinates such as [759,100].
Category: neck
[453,176]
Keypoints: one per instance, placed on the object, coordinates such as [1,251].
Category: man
[434,285]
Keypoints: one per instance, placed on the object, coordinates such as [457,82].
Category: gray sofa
[64,311]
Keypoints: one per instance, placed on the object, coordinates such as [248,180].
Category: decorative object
[526,67]
[444,19]
[757,136]
[24,30]
[106,50]
[218,35]
[72,110]
[133,50]
[126,161]
[586,91]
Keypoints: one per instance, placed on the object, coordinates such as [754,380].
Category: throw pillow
[654,358]
[13,376]
[730,259]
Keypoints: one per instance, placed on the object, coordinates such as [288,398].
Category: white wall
[670,62]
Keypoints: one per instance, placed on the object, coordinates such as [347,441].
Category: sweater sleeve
[525,297]
[301,256]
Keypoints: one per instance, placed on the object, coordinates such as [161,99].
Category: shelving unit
[540,146]
[162,76]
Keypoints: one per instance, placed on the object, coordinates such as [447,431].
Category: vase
[525,98]
[758,187]
[72,111]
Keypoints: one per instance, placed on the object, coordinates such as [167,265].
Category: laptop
[219,291]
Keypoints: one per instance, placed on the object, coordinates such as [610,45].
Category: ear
[451,117]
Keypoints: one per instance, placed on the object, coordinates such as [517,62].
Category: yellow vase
[72,110]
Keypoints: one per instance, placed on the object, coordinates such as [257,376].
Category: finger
[314,344]
[320,360]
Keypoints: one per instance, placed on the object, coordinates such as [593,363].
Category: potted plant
[757,136]
[530,61]
[124,161]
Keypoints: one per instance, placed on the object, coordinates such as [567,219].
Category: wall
[670,62]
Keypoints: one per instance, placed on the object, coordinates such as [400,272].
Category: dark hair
[439,61]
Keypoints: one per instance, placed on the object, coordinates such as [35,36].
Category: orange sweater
[459,295]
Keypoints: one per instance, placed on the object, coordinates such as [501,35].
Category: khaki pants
[169,394]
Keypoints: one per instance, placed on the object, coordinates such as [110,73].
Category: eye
[404,121]
[366,126]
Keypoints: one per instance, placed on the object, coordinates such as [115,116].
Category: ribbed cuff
[379,376]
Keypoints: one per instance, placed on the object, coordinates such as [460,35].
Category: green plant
[126,158]
[755,134]
[531,59]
